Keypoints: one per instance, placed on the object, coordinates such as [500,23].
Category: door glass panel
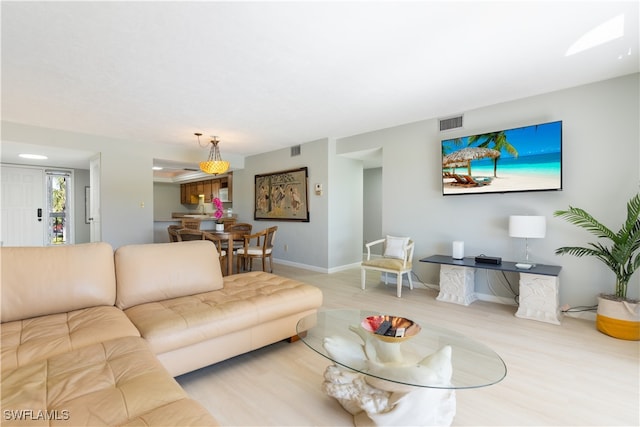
[58,203]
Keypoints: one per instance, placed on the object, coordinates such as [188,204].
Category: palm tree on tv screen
[499,141]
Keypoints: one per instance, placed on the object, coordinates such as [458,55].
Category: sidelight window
[59,196]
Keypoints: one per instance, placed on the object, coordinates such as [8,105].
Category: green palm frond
[622,257]
[582,218]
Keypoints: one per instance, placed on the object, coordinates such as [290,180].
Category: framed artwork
[282,196]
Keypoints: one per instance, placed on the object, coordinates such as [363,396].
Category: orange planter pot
[619,319]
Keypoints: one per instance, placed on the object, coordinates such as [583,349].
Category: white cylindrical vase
[458,250]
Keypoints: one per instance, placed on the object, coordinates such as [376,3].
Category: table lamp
[527,227]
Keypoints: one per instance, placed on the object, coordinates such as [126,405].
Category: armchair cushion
[387,264]
[394,247]
[254,250]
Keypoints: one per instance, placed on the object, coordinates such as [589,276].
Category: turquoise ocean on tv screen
[547,164]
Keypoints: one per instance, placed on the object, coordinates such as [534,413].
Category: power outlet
[286,247]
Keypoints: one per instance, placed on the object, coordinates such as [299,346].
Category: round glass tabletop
[473,364]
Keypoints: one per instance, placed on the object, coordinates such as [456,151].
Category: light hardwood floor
[567,375]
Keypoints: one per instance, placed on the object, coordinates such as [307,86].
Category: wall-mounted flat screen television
[528,158]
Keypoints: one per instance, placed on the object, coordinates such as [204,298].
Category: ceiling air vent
[295,150]
[450,123]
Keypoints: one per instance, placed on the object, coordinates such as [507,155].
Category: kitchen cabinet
[226,183]
[211,188]
[189,193]
[215,188]
[208,191]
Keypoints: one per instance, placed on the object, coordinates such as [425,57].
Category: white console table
[538,286]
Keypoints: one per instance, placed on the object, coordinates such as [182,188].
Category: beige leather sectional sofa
[93,337]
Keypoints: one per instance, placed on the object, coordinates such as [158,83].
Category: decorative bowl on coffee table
[390,329]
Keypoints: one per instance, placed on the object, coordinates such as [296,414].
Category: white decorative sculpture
[372,400]
[457,284]
[539,298]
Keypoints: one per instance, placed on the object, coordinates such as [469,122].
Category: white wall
[345,213]
[601,172]
[307,242]
[372,207]
[166,200]
[601,152]
[82,230]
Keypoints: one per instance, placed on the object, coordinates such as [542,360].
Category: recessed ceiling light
[605,32]
[33,156]
[156,168]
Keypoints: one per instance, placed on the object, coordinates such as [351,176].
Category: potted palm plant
[617,315]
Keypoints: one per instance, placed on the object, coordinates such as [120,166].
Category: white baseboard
[391,279]
[316,268]
[496,299]
[299,265]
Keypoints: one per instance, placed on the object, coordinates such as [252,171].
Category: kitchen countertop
[179,219]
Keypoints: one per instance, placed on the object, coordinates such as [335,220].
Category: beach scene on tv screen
[521,159]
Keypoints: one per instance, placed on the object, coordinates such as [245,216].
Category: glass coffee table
[404,381]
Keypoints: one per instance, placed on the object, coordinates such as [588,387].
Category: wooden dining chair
[173,232]
[258,245]
[222,253]
[187,234]
[242,229]
[193,223]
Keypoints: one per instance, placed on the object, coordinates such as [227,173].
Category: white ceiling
[266,75]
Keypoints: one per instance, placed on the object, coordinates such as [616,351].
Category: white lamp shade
[527,226]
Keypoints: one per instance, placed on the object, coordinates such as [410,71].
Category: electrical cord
[428,286]
[581,308]
[516,296]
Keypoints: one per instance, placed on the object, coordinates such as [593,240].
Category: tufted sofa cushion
[44,280]
[246,300]
[110,383]
[28,340]
[154,272]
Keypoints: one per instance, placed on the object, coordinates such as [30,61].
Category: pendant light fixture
[214,165]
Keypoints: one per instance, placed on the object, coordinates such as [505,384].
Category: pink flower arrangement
[219,209]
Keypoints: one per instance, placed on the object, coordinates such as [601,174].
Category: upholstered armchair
[397,253]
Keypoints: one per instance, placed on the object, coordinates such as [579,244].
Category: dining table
[229,236]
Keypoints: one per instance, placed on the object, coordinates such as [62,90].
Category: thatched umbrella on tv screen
[464,156]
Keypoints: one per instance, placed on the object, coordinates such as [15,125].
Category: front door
[23,207]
